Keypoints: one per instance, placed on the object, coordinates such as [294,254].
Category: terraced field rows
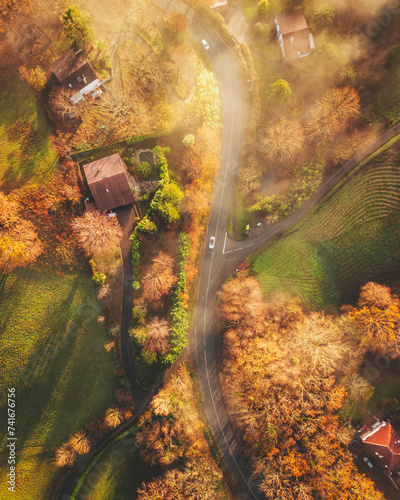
[350,238]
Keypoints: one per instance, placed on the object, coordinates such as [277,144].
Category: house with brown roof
[107,183]
[382,441]
[73,71]
[294,35]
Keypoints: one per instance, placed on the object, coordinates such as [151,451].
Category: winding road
[226,255]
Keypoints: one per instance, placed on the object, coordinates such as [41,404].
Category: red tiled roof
[107,182]
[297,44]
[385,444]
[73,71]
[291,21]
[67,64]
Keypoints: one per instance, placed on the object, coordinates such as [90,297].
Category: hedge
[178,317]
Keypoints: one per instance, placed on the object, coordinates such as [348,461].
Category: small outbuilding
[108,185]
[295,37]
[73,71]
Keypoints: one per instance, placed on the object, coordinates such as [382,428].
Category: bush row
[135,259]
[146,225]
[179,318]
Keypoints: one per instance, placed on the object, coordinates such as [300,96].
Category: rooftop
[107,182]
[67,64]
[291,21]
[384,442]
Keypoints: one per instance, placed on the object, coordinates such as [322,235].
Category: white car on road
[205,44]
[212,243]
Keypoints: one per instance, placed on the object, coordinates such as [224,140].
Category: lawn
[350,238]
[52,353]
[26,152]
[117,472]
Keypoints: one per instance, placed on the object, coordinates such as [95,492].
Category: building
[108,185]
[295,37]
[74,72]
[383,442]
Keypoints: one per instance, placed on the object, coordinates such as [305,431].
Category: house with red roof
[383,442]
[107,183]
[294,35]
[73,71]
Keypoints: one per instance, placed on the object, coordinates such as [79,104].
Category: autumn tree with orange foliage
[97,233]
[159,278]
[284,140]
[377,318]
[197,481]
[279,381]
[177,23]
[159,336]
[198,163]
[19,242]
[332,114]
[200,160]
[171,435]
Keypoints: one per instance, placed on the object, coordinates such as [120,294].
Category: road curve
[235,251]
[233,92]
[219,262]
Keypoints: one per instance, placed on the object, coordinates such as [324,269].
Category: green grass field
[52,352]
[350,238]
[26,152]
[117,472]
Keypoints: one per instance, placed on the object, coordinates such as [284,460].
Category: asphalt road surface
[227,253]
[233,90]
[219,262]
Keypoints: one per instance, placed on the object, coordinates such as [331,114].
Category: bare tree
[80,443]
[284,140]
[97,233]
[159,278]
[375,295]
[332,115]
[158,329]
[113,417]
[65,457]
[61,105]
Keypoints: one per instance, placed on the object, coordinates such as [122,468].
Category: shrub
[135,260]
[124,382]
[140,334]
[99,278]
[144,170]
[189,140]
[147,226]
[138,314]
[179,318]
[148,357]
[263,6]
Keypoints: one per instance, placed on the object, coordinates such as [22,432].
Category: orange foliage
[159,278]
[279,384]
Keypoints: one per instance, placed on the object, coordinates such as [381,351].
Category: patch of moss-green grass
[52,353]
[26,152]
